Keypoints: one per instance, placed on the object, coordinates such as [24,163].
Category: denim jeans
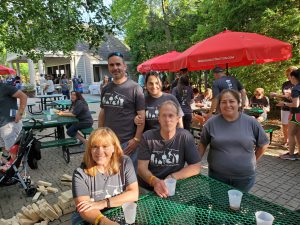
[133,156]
[244,184]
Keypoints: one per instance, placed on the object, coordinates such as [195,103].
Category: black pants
[187,119]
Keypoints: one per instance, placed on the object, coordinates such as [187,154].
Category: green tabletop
[45,123]
[253,111]
[202,200]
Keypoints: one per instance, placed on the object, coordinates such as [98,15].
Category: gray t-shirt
[231,152]
[121,103]
[102,186]
[167,156]
[82,112]
[7,102]
[226,82]
[185,98]
[152,105]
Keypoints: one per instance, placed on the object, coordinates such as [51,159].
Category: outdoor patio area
[277,180]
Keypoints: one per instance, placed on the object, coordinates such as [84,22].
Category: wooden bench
[86,131]
[64,143]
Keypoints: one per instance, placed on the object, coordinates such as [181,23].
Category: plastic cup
[129,210]
[264,218]
[235,198]
[48,116]
[171,185]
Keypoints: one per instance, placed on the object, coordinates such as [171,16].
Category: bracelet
[151,180]
[136,139]
[98,219]
[107,203]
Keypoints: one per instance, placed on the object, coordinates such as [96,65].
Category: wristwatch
[21,113]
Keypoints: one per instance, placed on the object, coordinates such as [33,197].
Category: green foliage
[32,27]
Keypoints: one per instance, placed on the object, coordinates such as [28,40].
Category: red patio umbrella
[158,63]
[5,70]
[232,49]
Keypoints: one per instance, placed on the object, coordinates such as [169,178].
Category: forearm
[202,149]
[140,128]
[131,195]
[90,216]
[294,104]
[213,105]
[180,123]
[23,103]
[260,151]
[145,173]
[67,114]
[188,171]
[244,97]
[101,118]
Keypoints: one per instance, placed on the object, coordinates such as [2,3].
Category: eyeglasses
[119,54]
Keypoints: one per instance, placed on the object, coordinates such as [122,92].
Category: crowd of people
[143,134]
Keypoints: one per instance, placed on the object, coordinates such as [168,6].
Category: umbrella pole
[227,73]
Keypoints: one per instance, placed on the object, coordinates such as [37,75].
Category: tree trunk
[166,26]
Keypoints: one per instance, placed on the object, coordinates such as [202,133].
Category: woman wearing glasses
[105,179]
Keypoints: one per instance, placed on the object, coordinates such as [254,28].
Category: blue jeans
[133,156]
[243,184]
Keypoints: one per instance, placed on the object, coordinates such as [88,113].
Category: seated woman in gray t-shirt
[105,179]
[164,152]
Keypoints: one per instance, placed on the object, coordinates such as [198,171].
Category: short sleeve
[239,85]
[191,153]
[260,134]
[139,99]
[205,136]
[79,106]
[79,186]
[295,93]
[143,150]
[10,90]
[130,176]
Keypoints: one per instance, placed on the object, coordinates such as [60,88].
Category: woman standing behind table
[80,110]
[236,142]
[153,100]
[104,82]
[65,86]
[294,117]
[184,94]
[105,179]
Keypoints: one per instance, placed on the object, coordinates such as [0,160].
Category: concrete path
[278,181]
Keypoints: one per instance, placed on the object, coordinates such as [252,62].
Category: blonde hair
[103,136]
[258,90]
[208,92]
[290,69]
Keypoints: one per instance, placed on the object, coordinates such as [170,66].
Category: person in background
[42,83]
[105,179]
[184,94]
[153,100]
[10,80]
[80,84]
[75,83]
[49,87]
[18,82]
[259,100]
[222,82]
[236,142]
[121,100]
[65,86]
[286,90]
[10,115]
[166,87]
[104,82]
[141,80]
[80,110]
[168,152]
[294,117]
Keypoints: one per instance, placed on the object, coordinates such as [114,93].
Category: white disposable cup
[235,198]
[264,218]
[171,185]
[129,210]
[51,111]
[49,116]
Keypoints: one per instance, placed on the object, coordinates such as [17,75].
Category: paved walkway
[278,181]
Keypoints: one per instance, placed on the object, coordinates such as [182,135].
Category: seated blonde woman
[105,179]
[259,100]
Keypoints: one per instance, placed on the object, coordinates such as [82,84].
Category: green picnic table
[66,103]
[202,200]
[253,111]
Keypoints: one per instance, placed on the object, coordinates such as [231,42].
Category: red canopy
[158,63]
[5,70]
[232,49]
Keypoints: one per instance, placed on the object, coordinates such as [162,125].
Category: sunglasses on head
[115,54]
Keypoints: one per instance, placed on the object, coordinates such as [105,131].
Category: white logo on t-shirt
[113,100]
[169,157]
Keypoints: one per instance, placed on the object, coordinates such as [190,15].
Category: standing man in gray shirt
[223,82]
[121,101]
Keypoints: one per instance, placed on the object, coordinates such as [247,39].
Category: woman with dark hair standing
[153,100]
[80,110]
[184,94]
[294,117]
